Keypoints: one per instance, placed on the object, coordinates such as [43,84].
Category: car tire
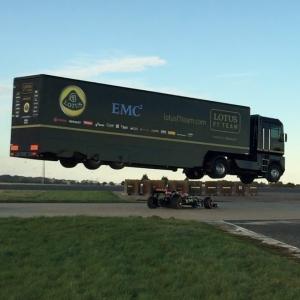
[152,202]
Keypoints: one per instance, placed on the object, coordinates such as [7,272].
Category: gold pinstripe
[125,134]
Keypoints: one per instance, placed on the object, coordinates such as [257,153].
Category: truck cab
[267,140]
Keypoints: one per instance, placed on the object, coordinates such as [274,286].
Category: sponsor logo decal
[75,122]
[88,123]
[171,132]
[72,101]
[154,130]
[26,107]
[225,121]
[99,124]
[109,125]
[126,109]
[59,120]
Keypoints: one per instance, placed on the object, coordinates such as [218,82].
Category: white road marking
[266,222]
[238,230]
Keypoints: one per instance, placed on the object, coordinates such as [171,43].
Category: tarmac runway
[266,206]
[276,215]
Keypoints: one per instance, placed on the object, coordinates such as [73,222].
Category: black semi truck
[74,121]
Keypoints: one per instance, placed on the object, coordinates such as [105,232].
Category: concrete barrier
[208,188]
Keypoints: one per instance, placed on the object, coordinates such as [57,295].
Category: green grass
[59,196]
[136,258]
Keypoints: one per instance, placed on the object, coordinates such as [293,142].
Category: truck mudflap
[174,199]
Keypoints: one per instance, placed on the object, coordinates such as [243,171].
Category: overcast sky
[241,52]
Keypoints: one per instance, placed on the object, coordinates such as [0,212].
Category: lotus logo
[72,101]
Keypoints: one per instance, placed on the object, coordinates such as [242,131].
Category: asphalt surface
[276,215]
[287,231]
[267,206]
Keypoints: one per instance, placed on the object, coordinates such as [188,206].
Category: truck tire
[217,167]
[274,173]
[247,178]
[176,201]
[92,164]
[193,173]
[117,165]
[68,162]
[152,202]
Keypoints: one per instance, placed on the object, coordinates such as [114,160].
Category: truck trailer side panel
[64,116]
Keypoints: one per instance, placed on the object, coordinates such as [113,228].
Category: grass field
[59,196]
[136,258]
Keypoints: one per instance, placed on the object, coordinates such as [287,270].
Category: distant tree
[104,183]
[276,184]
[112,183]
[165,180]
[290,184]
[145,177]
[123,182]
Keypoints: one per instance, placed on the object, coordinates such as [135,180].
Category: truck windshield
[276,132]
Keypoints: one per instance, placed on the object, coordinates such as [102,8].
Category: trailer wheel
[274,173]
[92,164]
[207,202]
[117,165]
[217,167]
[247,179]
[176,201]
[193,173]
[68,162]
[152,202]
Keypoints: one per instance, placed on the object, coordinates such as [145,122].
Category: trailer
[74,121]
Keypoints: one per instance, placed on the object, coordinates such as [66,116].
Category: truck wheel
[207,202]
[152,202]
[68,162]
[217,168]
[92,164]
[247,179]
[274,173]
[117,165]
[176,201]
[193,173]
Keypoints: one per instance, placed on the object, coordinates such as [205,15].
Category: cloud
[86,68]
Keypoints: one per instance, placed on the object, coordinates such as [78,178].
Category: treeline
[223,182]
[25,179]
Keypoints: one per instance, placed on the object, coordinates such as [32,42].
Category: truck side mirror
[285,137]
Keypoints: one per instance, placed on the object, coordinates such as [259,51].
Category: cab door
[266,142]
[272,137]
